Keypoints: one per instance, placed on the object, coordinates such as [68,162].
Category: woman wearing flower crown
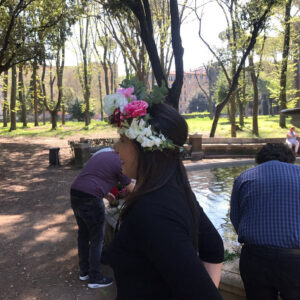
[166,247]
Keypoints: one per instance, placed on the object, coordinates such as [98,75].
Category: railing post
[196,142]
[82,153]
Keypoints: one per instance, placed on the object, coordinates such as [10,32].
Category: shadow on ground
[38,254]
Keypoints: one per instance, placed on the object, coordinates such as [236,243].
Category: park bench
[217,147]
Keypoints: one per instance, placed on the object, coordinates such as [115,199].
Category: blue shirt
[265,205]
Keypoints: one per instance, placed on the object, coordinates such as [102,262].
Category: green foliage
[229,256]
[28,24]
[221,88]
[139,89]
[76,111]
[198,104]
[157,95]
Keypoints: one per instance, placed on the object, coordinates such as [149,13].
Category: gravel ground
[38,253]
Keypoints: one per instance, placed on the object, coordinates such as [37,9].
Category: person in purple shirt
[101,173]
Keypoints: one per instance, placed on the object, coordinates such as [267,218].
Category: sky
[195,52]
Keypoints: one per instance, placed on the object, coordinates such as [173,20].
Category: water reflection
[213,189]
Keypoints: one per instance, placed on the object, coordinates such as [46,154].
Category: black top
[153,256]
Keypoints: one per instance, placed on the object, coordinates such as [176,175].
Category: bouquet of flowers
[127,109]
[118,192]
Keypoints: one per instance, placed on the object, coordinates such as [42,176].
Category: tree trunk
[53,119]
[13,96]
[285,54]
[232,115]
[5,100]
[106,79]
[297,79]
[241,110]
[100,95]
[44,115]
[21,96]
[60,64]
[255,96]
[35,97]
[63,112]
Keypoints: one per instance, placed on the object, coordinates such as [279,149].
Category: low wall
[243,147]
[241,141]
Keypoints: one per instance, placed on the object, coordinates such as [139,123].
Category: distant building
[190,87]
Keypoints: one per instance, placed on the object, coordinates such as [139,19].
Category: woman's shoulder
[167,200]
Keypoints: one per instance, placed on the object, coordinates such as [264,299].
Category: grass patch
[63,131]
[268,128]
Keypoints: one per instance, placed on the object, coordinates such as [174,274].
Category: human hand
[110,197]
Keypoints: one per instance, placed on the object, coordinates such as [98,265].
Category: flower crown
[130,114]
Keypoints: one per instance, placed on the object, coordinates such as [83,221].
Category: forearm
[214,271]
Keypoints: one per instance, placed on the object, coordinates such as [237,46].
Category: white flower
[147,143]
[111,102]
[143,134]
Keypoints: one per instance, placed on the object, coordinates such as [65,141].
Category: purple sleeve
[124,180]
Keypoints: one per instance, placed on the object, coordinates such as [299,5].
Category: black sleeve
[163,237]
[210,243]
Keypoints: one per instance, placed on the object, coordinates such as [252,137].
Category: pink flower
[126,92]
[136,108]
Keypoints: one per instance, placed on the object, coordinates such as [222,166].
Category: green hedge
[196,115]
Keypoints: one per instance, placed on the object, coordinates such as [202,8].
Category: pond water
[213,189]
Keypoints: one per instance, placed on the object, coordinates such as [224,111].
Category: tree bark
[100,95]
[35,97]
[5,100]
[241,109]
[285,54]
[13,97]
[21,96]
[255,96]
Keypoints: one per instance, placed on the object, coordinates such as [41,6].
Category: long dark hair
[157,168]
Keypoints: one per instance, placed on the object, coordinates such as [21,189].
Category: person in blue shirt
[265,212]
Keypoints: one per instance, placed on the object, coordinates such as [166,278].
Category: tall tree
[84,56]
[254,21]
[142,12]
[24,25]
[13,98]
[285,54]
[5,99]
[22,98]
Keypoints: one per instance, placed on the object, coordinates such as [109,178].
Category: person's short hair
[275,151]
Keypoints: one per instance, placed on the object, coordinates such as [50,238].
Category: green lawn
[268,127]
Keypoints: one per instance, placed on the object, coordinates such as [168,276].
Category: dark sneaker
[100,283]
[83,276]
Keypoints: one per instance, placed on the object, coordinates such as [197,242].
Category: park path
[38,254]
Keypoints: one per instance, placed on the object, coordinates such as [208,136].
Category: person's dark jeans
[269,272]
[90,217]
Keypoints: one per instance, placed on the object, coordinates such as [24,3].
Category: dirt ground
[38,253]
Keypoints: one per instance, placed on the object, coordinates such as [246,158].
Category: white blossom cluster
[113,101]
[144,134]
